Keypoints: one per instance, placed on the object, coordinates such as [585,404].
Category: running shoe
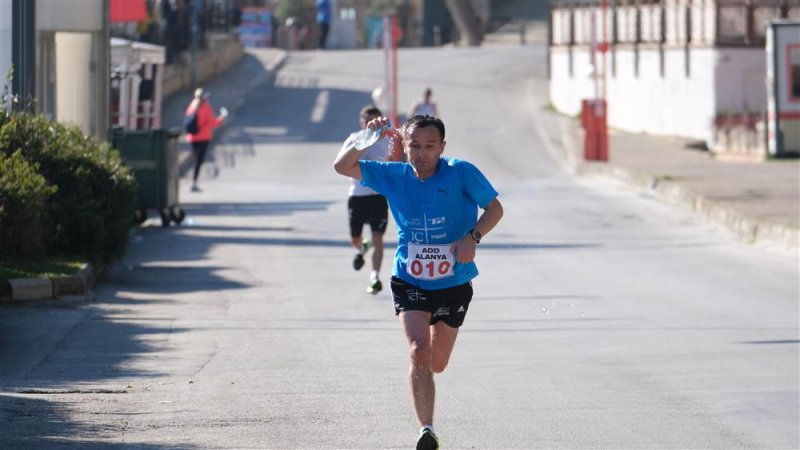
[427,440]
[358,261]
[374,287]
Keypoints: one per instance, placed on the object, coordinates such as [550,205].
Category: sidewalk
[257,66]
[759,201]
[229,89]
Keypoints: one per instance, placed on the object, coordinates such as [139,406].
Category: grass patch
[52,266]
[549,107]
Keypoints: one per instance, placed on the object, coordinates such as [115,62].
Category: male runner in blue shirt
[434,202]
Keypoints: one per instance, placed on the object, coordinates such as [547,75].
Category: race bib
[429,261]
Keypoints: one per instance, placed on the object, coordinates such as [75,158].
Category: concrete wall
[72,63]
[224,51]
[75,84]
[82,16]
[682,101]
[741,70]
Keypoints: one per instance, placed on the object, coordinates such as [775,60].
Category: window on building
[793,61]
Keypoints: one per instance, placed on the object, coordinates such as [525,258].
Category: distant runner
[364,205]
[424,106]
[435,203]
[201,113]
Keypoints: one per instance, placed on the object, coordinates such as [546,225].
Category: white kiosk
[137,72]
[783,87]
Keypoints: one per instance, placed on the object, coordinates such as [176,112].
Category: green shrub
[23,193]
[90,214]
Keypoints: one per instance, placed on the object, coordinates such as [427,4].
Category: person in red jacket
[206,122]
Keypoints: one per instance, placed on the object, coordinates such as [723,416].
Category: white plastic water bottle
[367,137]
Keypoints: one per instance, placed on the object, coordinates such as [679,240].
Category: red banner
[128,10]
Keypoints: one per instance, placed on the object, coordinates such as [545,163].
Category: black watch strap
[475,235]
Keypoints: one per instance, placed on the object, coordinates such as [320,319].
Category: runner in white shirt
[364,205]
[424,106]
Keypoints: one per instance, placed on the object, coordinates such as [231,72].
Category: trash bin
[152,155]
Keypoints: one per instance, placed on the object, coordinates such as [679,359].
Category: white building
[73,63]
[59,51]
[672,67]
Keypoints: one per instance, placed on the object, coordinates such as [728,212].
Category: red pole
[604,44]
[593,54]
[602,119]
[395,30]
[390,38]
[594,113]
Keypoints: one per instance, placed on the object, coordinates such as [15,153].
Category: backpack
[190,123]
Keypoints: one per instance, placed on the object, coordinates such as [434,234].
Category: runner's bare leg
[443,339]
[377,251]
[416,325]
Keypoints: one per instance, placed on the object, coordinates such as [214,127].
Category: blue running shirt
[430,215]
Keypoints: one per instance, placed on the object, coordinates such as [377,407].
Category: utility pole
[193,53]
[23,52]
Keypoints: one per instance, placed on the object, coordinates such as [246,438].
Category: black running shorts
[371,209]
[449,305]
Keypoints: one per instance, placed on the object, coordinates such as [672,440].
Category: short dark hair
[422,122]
[369,111]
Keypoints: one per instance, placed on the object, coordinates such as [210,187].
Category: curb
[746,228]
[23,289]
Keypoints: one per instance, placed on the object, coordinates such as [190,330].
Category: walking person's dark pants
[323,34]
[199,149]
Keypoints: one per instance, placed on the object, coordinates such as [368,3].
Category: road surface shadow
[36,423]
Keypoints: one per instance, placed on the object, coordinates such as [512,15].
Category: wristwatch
[476,235]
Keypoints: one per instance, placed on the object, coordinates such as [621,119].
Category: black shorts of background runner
[449,304]
[371,209]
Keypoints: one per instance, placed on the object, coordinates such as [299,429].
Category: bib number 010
[430,262]
[430,269]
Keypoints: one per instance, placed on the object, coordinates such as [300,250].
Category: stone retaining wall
[223,51]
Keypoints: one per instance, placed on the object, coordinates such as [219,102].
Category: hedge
[93,194]
[23,193]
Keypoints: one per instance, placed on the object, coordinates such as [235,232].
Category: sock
[373,276]
[430,427]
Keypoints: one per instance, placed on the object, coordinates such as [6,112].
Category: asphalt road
[601,319]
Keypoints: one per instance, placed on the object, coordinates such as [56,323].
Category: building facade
[670,67]
[59,53]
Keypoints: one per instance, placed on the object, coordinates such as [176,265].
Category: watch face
[476,235]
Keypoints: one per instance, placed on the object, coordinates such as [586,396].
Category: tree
[466,20]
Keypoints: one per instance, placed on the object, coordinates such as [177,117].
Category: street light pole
[23,52]
[193,52]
